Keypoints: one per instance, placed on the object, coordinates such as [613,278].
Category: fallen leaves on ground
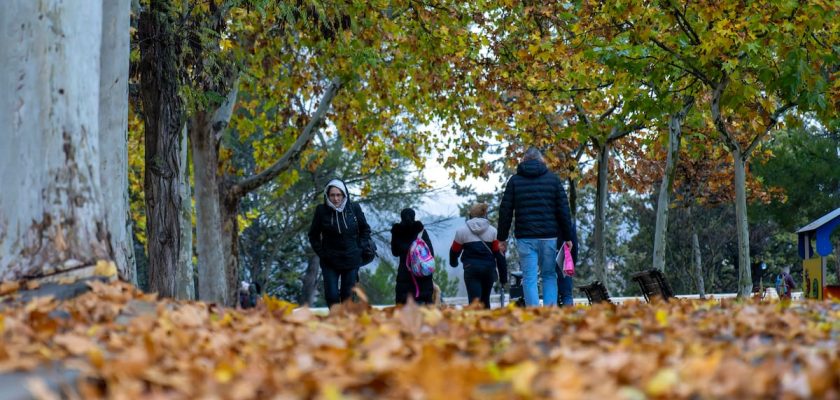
[131,345]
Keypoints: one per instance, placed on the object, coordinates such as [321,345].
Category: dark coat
[338,237]
[535,198]
[402,237]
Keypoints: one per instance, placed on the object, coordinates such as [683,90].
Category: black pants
[406,288]
[479,281]
[332,293]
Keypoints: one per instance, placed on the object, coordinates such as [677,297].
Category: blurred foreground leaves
[127,344]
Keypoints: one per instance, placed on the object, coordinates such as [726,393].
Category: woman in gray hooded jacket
[476,244]
[341,236]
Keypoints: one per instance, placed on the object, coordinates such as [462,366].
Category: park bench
[653,284]
[595,292]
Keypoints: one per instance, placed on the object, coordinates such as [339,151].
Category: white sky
[446,202]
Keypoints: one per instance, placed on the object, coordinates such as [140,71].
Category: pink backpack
[420,261]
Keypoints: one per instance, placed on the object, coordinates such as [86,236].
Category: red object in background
[831,292]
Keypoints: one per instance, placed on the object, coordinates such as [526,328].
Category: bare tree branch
[253,182]
[774,119]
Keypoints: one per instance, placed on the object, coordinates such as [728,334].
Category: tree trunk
[213,252]
[163,119]
[184,283]
[230,245]
[113,132]
[698,265]
[664,203]
[744,271]
[572,198]
[601,194]
[211,258]
[52,217]
[310,281]
[696,257]
[740,156]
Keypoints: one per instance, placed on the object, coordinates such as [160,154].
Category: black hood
[411,229]
[531,168]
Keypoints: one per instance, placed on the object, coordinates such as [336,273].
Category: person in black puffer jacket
[535,198]
[338,233]
[403,235]
[475,243]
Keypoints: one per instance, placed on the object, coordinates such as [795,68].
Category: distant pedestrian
[338,234]
[565,284]
[785,284]
[403,234]
[476,245]
[254,293]
[245,300]
[536,203]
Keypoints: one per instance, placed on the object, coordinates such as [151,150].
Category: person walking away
[565,284]
[535,202]
[476,245]
[338,233]
[785,284]
[403,235]
[245,300]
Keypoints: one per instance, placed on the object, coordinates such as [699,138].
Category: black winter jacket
[536,200]
[402,237]
[338,237]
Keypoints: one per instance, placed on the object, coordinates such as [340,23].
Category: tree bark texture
[206,131]
[230,246]
[113,132]
[601,197]
[666,187]
[52,217]
[211,259]
[310,281]
[698,265]
[742,227]
[163,118]
[696,259]
[184,282]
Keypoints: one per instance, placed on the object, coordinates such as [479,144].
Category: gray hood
[478,225]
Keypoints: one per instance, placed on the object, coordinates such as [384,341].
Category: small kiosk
[813,263]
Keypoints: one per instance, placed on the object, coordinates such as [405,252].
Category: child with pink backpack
[412,244]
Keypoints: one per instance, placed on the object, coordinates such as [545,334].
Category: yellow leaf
[662,317]
[224,372]
[97,359]
[431,316]
[105,268]
[275,304]
[521,376]
[662,382]
[330,392]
